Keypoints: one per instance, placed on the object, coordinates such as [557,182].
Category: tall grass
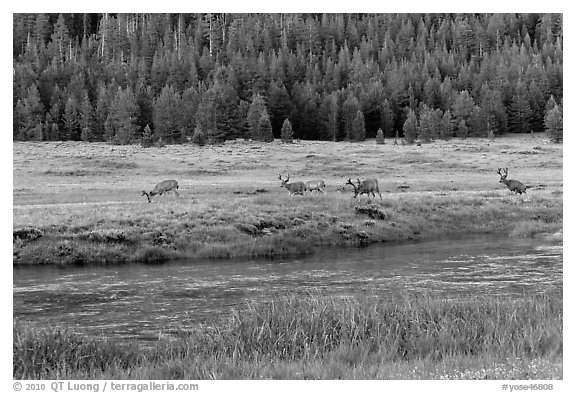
[55,351]
[336,335]
[412,327]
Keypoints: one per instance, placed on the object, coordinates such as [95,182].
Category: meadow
[80,203]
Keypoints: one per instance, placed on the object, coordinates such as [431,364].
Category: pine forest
[208,78]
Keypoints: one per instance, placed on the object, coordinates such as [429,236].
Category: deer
[317,185]
[161,188]
[513,185]
[368,186]
[293,188]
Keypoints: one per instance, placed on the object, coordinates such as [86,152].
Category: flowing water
[145,301]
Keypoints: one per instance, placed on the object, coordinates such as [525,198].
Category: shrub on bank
[50,251]
[151,255]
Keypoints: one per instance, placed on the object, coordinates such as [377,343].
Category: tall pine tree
[520,112]
[410,127]
[554,125]
[121,126]
[358,127]
[167,115]
[30,111]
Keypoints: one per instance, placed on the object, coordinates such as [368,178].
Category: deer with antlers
[368,186]
[293,188]
[161,188]
[513,185]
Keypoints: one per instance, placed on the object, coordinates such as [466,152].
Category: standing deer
[293,188]
[317,185]
[161,188]
[513,185]
[368,186]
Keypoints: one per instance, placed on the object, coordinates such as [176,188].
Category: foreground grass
[78,203]
[312,337]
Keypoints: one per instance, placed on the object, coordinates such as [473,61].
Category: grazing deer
[368,186]
[161,188]
[293,188]
[317,185]
[513,185]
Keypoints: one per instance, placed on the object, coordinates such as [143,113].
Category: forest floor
[80,203]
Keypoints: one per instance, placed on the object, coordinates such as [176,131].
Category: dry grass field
[84,201]
[75,172]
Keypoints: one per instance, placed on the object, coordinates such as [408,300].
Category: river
[147,301]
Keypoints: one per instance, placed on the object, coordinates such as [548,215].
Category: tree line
[207,78]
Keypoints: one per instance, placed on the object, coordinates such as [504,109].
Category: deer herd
[367,186]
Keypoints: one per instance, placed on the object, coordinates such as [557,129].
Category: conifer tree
[188,107]
[410,127]
[206,117]
[386,118]
[550,104]
[86,119]
[372,96]
[264,129]
[147,137]
[17,120]
[72,119]
[286,133]
[59,43]
[520,111]
[350,110]
[380,137]
[167,115]
[254,117]
[242,125]
[329,114]
[426,128]
[463,107]
[199,136]
[53,120]
[436,123]
[121,127]
[145,103]
[537,105]
[279,105]
[31,113]
[479,123]
[102,109]
[554,126]
[462,129]
[218,112]
[432,92]
[493,111]
[305,120]
[358,127]
[447,127]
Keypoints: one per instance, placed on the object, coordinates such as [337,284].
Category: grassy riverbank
[77,203]
[314,337]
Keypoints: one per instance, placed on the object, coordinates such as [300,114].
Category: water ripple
[150,301]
